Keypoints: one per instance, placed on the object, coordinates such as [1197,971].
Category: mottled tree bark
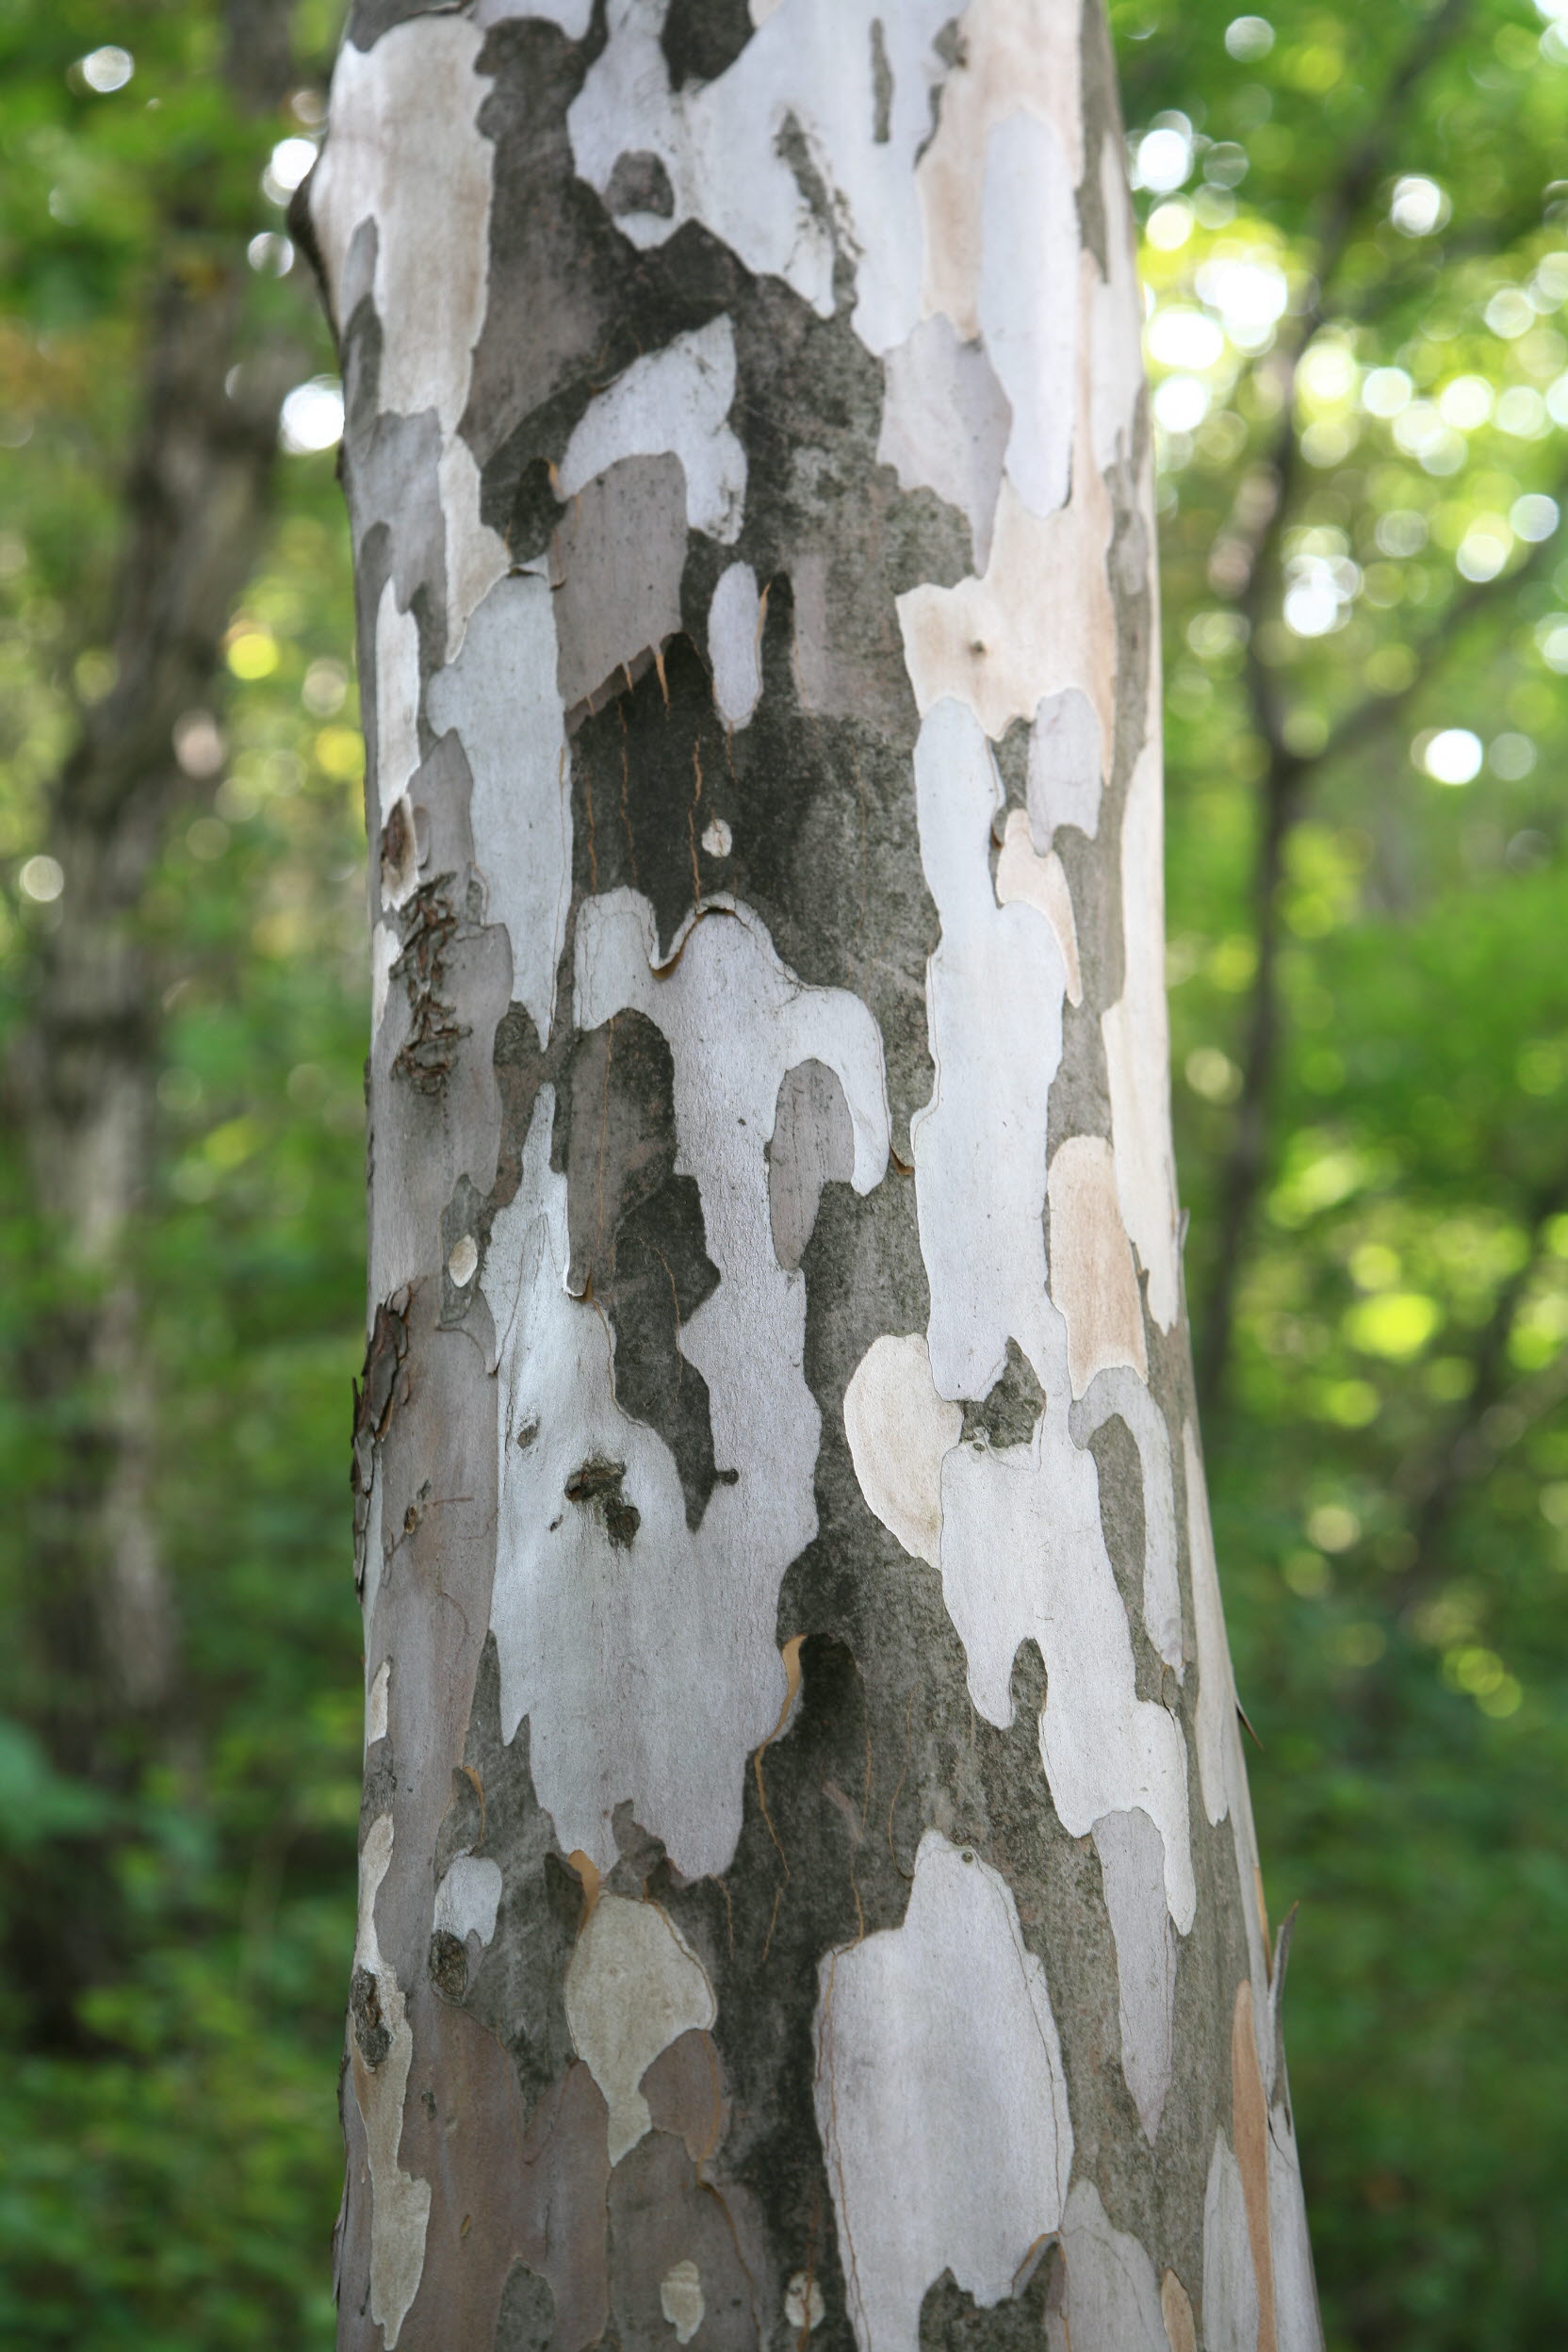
[84,1065]
[807,1885]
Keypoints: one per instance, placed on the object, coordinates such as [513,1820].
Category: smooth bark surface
[808,1884]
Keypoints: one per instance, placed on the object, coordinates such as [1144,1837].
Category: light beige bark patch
[1015,60]
[399,2204]
[1136,1029]
[1093,1280]
[1040,620]
[633,1986]
[680,2299]
[899,1430]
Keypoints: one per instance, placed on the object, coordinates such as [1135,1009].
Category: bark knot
[597,1482]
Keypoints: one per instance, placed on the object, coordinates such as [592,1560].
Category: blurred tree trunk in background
[85,1063]
[807,1872]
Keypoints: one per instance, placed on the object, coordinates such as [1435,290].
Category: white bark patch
[501,695]
[807,75]
[399,2204]
[1122,1393]
[1218,1750]
[945,424]
[680,2299]
[804,2307]
[372,1554]
[673,401]
[404,150]
[397,702]
[899,1431]
[1023,1557]
[1131,1861]
[1112,2304]
[375,1704]
[717,839]
[1067,761]
[1136,1029]
[615,566]
[994,990]
[1295,2287]
[1230,2283]
[468,1898]
[1029,321]
[463,1260]
[618,1650]
[734,644]
[385,948]
[1015,61]
[634,1986]
[940,2098]
[1025,878]
[1021,1548]
[1221,1766]
[476,555]
[1093,1280]
[1117,320]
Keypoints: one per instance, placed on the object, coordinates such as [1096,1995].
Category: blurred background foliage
[1356,257]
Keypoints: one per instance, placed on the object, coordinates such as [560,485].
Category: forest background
[1355,243]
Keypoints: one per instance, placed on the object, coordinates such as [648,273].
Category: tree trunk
[807,1886]
[84,1066]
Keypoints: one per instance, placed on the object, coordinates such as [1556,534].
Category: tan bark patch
[1249,2130]
[1025,878]
[1092,1276]
[1015,60]
[1176,2310]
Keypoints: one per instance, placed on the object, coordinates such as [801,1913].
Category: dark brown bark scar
[597,1481]
[430,924]
[370,2029]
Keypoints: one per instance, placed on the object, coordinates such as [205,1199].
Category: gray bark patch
[615,564]
[1008,1415]
[525,2322]
[637,1236]
[951,2320]
[813,1145]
